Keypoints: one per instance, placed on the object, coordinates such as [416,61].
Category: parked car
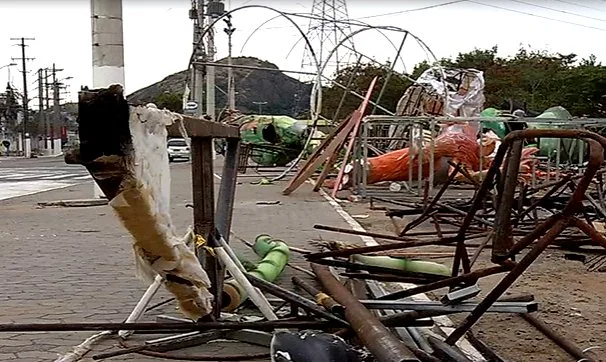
[177,148]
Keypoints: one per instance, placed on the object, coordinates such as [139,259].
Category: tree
[361,77]
[171,101]
[535,78]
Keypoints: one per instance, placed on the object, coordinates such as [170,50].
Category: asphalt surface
[20,177]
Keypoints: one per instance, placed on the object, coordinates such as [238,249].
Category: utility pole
[214,9]
[231,92]
[196,14]
[24,60]
[210,70]
[56,123]
[108,48]
[41,107]
[49,135]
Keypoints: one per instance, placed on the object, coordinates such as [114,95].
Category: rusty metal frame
[503,249]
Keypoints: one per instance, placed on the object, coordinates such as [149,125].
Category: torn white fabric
[143,206]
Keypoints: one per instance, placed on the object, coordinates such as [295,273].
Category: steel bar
[165,344]
[503,238]
[446,352]
[546,196]
[497,307]
[363,233]
[590,231]
[383,345]
[507,281]
[227,190]
[376,290]
[321,298]
[570,348]
[294,298]
[169,327]
[433,202]
[371,249]
[471,277]
[483,348]
[384,278]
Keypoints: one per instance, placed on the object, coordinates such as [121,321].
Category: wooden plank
[197,127]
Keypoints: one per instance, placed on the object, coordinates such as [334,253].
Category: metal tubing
[321,298]
[370,249]
[497,307]
[433,202]
[463,278]
[503,238]
[256,296]
[384,346]
[227,190]
[293,298]
[570,348]
[163,327]
[507,281]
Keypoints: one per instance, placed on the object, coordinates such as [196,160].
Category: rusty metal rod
[371,249]
[424,216]
[363,233]
[452,281]
[163,327]
[293,298]
[503,238]
[507,281]
[383,345]
[321,298]
[570,348]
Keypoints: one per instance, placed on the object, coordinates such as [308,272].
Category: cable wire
[536,15]
[579,5]
[412,10]
[557,10]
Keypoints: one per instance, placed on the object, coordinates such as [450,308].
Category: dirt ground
[571,300]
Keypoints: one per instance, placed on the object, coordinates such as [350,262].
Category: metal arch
[422,44]
[255,31]
[314,107]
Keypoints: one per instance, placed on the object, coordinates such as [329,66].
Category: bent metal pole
[384,346]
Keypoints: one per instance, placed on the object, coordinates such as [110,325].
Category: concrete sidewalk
[76,264]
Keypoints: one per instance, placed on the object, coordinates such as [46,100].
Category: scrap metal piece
[497,307]
[376,337]
[460,295]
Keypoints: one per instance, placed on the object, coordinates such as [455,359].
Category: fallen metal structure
[123,148]
[512,219]
[129,163]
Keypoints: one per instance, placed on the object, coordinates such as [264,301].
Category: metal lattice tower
[327,27]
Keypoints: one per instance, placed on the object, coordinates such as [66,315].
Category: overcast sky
[158,33]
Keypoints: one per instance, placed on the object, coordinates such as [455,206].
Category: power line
[537,16]
[412,10]
[558,10]
[577,4]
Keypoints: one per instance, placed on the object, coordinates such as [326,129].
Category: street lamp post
[260,104]
[8,65]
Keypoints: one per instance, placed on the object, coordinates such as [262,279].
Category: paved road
[20,177]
